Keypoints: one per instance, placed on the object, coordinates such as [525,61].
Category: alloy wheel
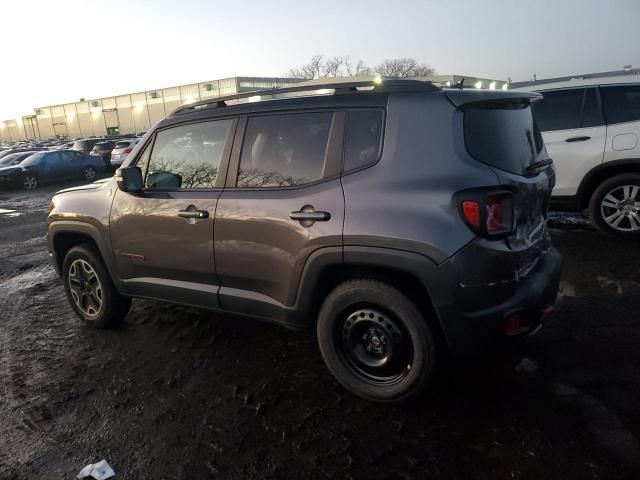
[30,182]
[85,288]
[89,173]
[375,346]
[620,208]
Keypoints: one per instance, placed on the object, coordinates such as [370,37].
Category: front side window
[188,156]
[621,103]
[559,110]
[362,138]
[284,150]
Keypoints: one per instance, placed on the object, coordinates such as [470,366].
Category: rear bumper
[521,313]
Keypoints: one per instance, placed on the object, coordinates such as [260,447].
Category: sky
[54,52]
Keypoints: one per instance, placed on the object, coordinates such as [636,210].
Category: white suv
[591,129]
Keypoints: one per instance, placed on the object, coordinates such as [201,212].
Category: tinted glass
[122,145]
[284,150]
[33,159]
[363,137]
[78,145]
[621,103]
[559,110]
[187,156]
[502,135]
[591,115]
[14,157]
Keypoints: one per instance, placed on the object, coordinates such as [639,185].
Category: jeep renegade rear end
[398,220]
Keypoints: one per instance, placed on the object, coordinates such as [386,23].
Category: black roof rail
[346,86]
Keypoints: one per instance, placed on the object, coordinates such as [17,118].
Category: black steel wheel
[376,342]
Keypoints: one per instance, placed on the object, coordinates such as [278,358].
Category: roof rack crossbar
[338,87]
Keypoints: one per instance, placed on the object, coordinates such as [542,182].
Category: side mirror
[129,179]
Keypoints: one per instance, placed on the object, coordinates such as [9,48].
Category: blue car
[51,166]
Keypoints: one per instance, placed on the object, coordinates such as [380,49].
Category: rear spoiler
[459,98]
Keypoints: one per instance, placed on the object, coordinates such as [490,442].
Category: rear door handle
[577,139]
[197,214]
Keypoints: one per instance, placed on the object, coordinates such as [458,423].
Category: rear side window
[284,150]
[362,139]
[502,134]
[559,110]
[621,103]
[188,156]
[78,145]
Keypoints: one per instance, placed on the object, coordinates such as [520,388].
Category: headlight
[51,206]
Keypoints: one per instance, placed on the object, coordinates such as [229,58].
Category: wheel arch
[415,275]
[599,174]
[64,235]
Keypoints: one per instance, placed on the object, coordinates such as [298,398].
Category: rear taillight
[488,213]
[127,150]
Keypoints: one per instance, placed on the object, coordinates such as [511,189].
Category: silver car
[120,152]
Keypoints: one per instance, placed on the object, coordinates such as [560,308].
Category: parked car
[398,220]
[51,166]
[14,158]
[86,144]
[592,131]
[9,151]
[121,150]
[103,150]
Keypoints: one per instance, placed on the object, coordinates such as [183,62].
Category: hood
[91,186]
[10,169]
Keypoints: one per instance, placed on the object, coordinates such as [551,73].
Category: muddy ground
[178,393]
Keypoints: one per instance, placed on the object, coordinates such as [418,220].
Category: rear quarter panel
[405,201]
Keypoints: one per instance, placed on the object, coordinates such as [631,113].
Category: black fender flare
[437,280]
[58,227]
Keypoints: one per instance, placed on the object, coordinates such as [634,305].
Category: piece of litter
[99,471]
[527,366]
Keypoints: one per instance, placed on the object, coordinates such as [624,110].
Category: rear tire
[614,207]
[89,172]
[376,342]
[90,290]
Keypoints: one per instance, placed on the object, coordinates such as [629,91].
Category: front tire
[614,206]
[90,290]
[376,342]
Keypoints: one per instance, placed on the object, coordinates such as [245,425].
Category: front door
[574,134]
[283,201]
[162,239]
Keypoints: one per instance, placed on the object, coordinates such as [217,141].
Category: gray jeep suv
[398,219]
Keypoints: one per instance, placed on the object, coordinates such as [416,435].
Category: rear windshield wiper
[536,165]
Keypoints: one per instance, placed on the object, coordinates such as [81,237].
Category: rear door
[283,201]
[574,134]
[162,238]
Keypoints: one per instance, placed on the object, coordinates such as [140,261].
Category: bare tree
[404,67]
[319,67]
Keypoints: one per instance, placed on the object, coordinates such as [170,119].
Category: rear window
[121,145]
[363,138]
[103,146]
[621,103]
[503,135]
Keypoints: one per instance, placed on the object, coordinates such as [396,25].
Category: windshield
[503,135]
[33,159]
[10,158]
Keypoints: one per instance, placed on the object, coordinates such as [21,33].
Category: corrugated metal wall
[132,113]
